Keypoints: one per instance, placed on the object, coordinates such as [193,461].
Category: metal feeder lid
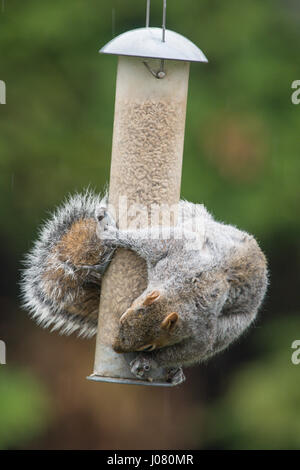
[147,42]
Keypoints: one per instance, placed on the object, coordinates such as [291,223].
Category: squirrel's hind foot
[175,376]
[142,367]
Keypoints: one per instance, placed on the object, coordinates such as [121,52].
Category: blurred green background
[241,159]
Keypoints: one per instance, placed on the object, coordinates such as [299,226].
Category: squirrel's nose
[117,347]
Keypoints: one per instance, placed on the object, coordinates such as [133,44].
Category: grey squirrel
[206,282]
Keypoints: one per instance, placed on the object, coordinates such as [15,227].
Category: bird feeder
[146,164]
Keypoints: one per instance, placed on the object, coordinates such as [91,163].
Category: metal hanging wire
[161,72]
[164,21]
[148,13]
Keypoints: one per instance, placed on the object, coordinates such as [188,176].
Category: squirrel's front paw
[142,366]
[106,225]
[175,376]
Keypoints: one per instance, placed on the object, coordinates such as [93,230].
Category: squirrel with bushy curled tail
[206,282]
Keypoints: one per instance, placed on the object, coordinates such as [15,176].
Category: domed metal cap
[147,42]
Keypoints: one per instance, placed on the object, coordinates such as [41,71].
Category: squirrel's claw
[96,268]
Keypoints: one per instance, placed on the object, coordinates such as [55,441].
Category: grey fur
[213,275]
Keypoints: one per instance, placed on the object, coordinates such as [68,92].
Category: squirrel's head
[147,325]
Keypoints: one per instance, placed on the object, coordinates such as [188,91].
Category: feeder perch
[147,149]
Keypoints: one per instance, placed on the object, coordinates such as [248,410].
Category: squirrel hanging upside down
[204,286]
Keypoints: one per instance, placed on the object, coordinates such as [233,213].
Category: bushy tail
[58,288]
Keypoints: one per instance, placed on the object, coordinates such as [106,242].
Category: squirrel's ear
[169,321]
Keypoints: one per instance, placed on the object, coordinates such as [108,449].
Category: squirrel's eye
[149,347]
[140,310]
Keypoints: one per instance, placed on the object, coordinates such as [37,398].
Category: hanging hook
[161,72]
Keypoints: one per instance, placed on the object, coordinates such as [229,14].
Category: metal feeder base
[99,378]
